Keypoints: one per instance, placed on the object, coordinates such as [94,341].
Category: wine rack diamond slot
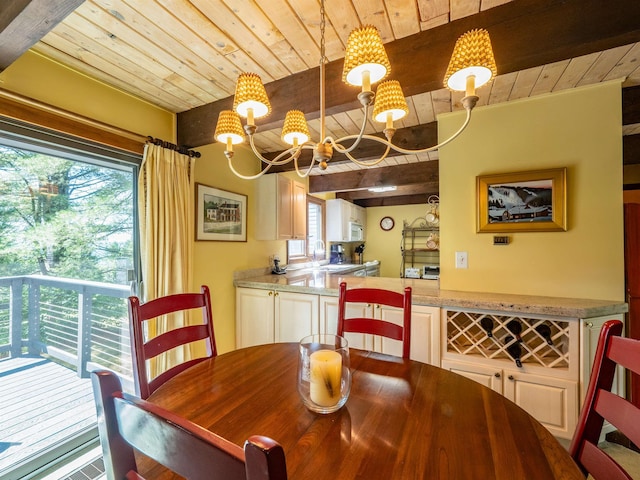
[520,339]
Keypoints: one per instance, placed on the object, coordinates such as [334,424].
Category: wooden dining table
[403,420]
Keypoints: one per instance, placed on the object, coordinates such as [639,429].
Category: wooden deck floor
[42,404]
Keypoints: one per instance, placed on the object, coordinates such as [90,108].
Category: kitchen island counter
[427,292]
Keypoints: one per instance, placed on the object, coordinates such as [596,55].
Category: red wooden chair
[127,424]
[600,404]
[143,351]
[372,325]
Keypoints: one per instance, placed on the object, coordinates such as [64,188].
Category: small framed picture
[522,201]
[220,215]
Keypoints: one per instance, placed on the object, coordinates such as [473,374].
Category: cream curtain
[166,209]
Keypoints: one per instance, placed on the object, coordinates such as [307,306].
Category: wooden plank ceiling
[185,56]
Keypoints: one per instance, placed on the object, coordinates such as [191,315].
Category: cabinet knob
[270,293]
[511,377]
[276,294]
[497,375]
[377,306]
[589,324]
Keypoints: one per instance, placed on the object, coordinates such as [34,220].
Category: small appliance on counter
[336,254]
[411,272]
[431,272]
[277,269]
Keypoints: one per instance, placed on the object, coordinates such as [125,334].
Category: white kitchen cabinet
[299,211]
[255,314]
[424,328]
[296,316]
[552,381]
[281,208]
[337,219]
[359,215]
[268,316]
[339,214]
[550,400]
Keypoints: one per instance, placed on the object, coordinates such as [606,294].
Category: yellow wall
[385,246]
[580,129]
[40,78]
[215,262]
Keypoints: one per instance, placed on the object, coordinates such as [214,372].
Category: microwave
[356,232]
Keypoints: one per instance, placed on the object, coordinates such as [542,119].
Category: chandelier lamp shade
[229,129]
[366,63]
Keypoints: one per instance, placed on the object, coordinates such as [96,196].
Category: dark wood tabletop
[403,420]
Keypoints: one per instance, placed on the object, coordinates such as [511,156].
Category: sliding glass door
[68,261]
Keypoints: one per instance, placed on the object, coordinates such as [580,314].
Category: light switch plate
[461,260]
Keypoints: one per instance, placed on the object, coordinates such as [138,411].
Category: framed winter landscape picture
[522,201]
[220,215]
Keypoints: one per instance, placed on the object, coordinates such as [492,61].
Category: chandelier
[472,65]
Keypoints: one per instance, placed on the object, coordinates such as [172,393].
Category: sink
[334,267]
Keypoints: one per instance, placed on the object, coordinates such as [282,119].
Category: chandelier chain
[323,57]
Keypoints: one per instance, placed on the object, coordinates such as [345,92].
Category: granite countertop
[427,292]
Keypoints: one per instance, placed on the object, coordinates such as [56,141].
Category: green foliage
[63,218]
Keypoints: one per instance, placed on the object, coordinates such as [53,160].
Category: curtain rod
[172,146]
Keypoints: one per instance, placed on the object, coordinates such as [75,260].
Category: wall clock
[387,223]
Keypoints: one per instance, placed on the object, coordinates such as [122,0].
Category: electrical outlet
[461,260]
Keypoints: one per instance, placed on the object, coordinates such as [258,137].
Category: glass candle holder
[324,377]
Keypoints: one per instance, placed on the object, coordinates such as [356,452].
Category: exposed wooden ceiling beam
[397,175]
[24,22]
[631,149]
[524,34]
[409,194]
[631,105]
[375,201]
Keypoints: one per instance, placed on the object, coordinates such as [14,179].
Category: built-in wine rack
[519,339]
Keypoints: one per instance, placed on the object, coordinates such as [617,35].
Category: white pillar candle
[326,373]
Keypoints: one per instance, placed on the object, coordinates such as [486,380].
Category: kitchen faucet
[319,243]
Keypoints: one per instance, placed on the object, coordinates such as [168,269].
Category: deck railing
[80,323]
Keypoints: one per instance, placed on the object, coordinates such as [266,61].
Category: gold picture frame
[532,201]
[220,215]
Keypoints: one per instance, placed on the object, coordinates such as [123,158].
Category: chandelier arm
[404,150]
[308,171]
[371,163]
[336,143]
[276,161]
[247,177]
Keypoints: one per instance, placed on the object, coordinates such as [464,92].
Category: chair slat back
[144,350]
[376,326]
[127,424]
[601,404]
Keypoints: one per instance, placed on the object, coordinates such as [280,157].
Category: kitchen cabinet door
[338,215]
[281,208]
[299,211]
[268,316]
[551,401]
[284,214]
[296,316]
[254,317]
[487,376]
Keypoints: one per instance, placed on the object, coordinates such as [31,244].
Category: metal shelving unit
[420,245]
